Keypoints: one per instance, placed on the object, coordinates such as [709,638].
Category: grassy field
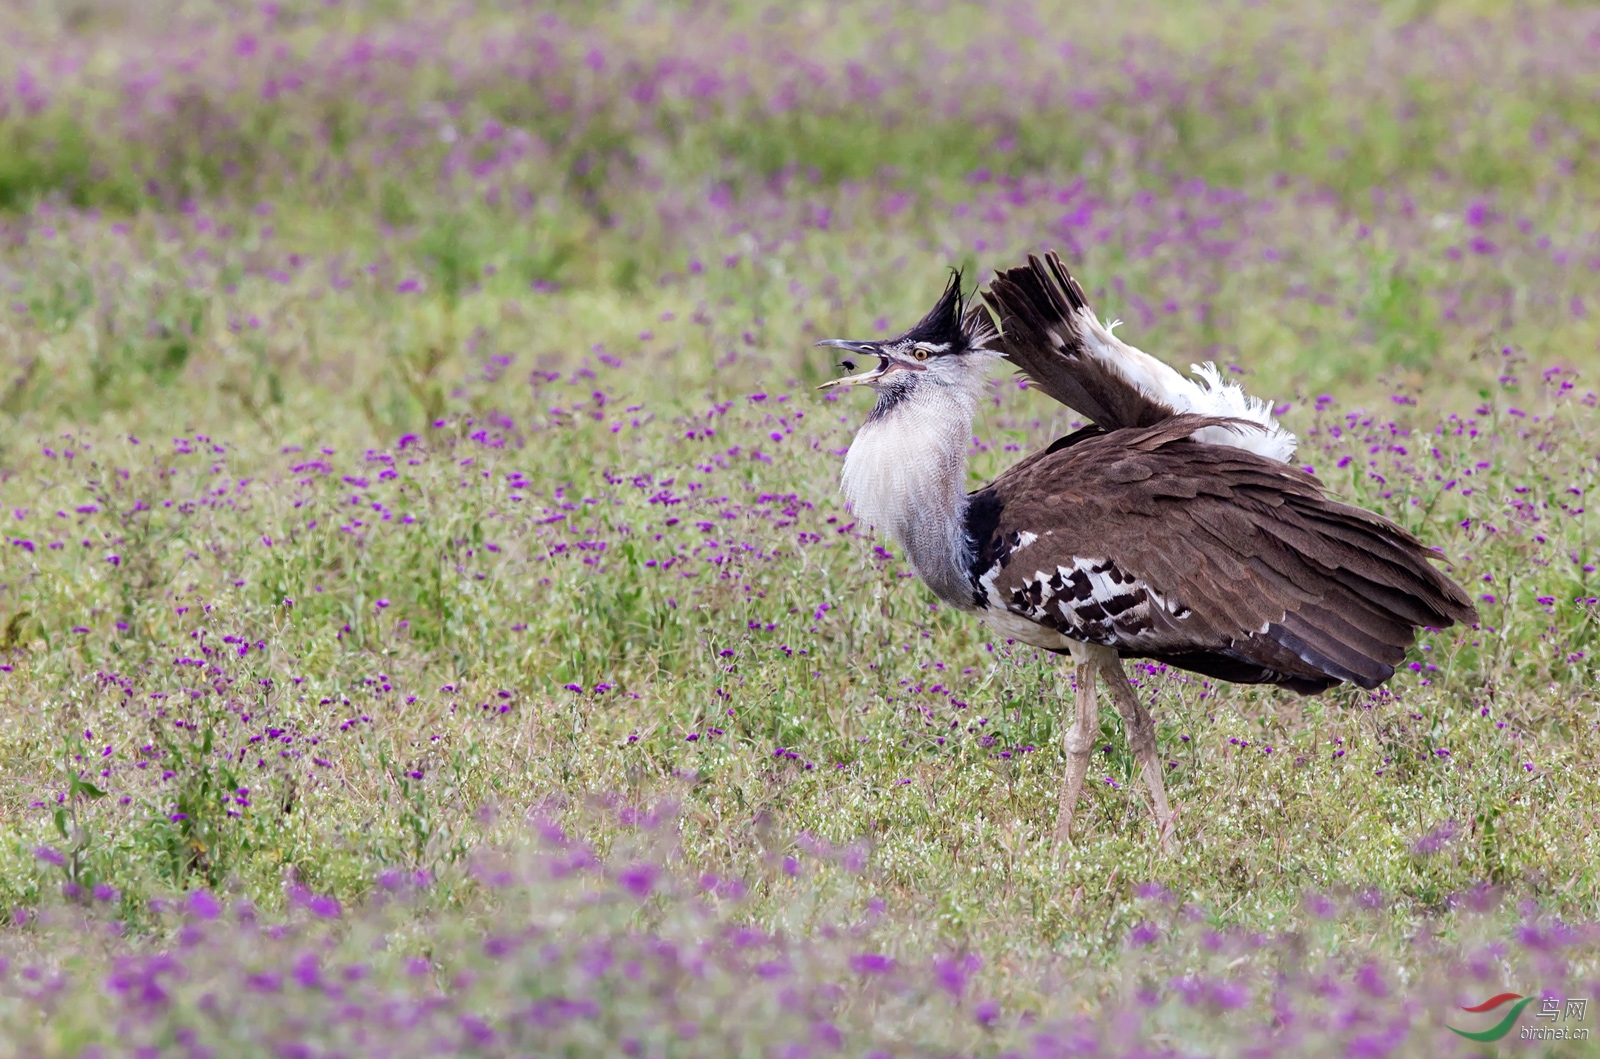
[430,627]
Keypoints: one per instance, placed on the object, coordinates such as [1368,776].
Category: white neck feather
[906,475]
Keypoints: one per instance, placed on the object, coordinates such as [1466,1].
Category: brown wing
[1037,307]
[1208,557]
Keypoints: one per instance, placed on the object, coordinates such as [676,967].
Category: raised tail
[1051,334]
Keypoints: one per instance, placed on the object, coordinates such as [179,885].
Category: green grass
[238,326]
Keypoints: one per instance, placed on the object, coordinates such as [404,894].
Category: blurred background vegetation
[1326,192]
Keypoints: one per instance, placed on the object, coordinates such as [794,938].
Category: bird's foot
[1166,829]
[1063,834]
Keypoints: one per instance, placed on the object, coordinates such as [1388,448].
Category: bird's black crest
[943,322]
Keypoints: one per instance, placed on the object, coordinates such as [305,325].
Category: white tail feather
[1212,395]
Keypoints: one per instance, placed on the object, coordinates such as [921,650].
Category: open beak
[869,349]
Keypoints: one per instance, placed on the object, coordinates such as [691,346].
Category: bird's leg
[1079,743]
[1142,737]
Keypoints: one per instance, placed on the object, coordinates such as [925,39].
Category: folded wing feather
[1212,558]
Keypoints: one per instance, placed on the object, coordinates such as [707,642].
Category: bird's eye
[922,354]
